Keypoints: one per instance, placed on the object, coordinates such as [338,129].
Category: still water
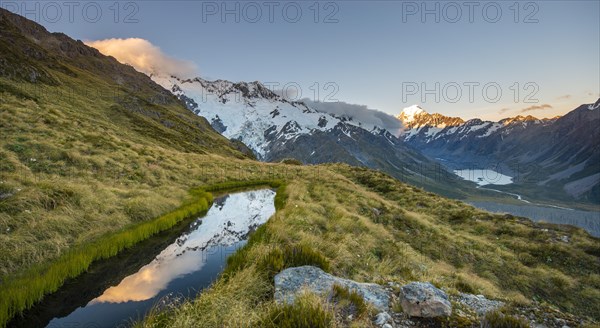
[180,270]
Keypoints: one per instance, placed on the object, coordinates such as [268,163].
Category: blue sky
[373,51]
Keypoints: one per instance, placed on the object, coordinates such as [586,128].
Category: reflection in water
[151,279]
[191,262]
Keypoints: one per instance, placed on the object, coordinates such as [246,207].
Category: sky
[470,59]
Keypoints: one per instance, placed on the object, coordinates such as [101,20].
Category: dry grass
[374,236]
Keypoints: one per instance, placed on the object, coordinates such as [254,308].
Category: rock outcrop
[422,299]
[292,280]
[479,303]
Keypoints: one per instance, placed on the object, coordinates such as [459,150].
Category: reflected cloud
[151,279]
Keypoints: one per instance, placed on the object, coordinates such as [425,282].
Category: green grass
[230,186]
[496,319]
[343,297]
[290,256]
[308,311]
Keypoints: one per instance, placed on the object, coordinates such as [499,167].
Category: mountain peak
[594,105]
[525,118]
[416,117]
[518,118]
[412,111]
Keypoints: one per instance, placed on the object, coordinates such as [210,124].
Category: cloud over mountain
[145,57]
[358,113]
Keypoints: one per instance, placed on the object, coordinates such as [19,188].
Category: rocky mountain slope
[554,158]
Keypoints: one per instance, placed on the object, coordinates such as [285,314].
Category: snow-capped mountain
[415,119]
[423,127]
[558,156]
[276,128]
[249,112]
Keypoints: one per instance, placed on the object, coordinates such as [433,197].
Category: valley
[550,160]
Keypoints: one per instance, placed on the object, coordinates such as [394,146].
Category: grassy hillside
[367,226]
[88,145]
[91,150]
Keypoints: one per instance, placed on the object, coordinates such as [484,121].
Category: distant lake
[484,177]
[589,221]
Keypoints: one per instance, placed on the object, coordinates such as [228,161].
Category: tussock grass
[308,311]
[291,256]
[350,299]
[497,319]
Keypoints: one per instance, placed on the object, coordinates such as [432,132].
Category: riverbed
[590,221]
[587,220]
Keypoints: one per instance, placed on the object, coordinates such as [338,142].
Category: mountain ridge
[554,157]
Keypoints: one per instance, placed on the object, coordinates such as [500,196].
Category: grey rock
[382,318]
[422,299]
[387,325]
[479,303]
[290,281]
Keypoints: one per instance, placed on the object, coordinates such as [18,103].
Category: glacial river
[486,179]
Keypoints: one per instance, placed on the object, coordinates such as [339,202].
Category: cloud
[536,107]
[145,57]
[503,110]
[368,117]
[564,97]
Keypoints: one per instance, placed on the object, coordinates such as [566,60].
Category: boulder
[292,280]
[422,299]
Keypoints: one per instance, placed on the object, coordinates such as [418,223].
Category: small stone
[387,325]
[564,239]
[382,318]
